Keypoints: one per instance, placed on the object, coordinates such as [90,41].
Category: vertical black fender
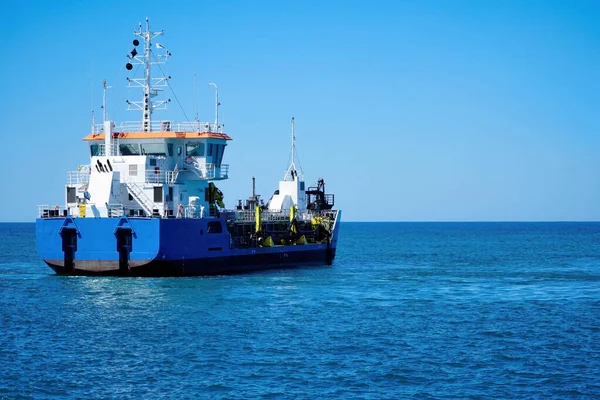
[69,248]
[69,234]
[124,247]
[124,234]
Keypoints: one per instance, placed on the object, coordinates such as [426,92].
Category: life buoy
[180,210]
[57,207]
[189,160]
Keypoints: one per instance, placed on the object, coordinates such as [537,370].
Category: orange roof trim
[160,135]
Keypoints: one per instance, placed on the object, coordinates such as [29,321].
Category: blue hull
[161,247]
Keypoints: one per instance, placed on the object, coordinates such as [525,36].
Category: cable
[172,91]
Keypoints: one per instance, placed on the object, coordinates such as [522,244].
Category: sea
[419,310]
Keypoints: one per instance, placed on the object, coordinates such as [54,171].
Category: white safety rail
[114,210]
[162,126]
[158,176]
[79,177]
[43,210]
[284,215]
[46,211]
[208,171]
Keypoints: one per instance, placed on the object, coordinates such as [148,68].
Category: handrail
[206,170]
[283,215]
[79,177]
[162,126]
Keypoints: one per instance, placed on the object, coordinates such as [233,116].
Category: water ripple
[440,311]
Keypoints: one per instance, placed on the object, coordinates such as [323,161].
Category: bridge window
[154,149]
[221,152]
[195,149]
[132,149]
[95,150]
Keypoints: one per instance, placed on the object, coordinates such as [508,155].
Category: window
[95,150]
[158,194]
[130,197]
[155,149]
[170,149]
[216,157]
[152,162]
[215,227]
[302,185]
[210,150]
[218,150]
[195,149]
[129,149]
[71,195]
[132,169]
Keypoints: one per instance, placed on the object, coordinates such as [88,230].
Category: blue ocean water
[427,310]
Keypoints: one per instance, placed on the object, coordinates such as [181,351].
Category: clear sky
[410,110]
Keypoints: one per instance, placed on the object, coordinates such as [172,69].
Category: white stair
[138,194]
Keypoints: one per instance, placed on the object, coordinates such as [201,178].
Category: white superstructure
[146,167]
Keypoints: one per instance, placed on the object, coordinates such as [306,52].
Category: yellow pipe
[258,220]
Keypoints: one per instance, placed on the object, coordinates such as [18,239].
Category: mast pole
[104,111]
[147,111]
[216,105]
[293,142]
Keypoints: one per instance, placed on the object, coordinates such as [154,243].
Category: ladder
[138,194]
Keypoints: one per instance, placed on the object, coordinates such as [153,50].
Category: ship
[148,204]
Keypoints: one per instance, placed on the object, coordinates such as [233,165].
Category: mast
[147,113]
[217,104]
[104,111]
[108,142]
[293,142]
[150,86]
[292,173]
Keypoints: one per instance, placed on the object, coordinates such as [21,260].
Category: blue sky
[410,110]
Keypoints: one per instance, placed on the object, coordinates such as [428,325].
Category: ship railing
[310,214]
[114,210]
[157,176]
[43,210]
[47,211]
[162,126]
[250,215]
[79,177]
[283,215]
[206,170]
